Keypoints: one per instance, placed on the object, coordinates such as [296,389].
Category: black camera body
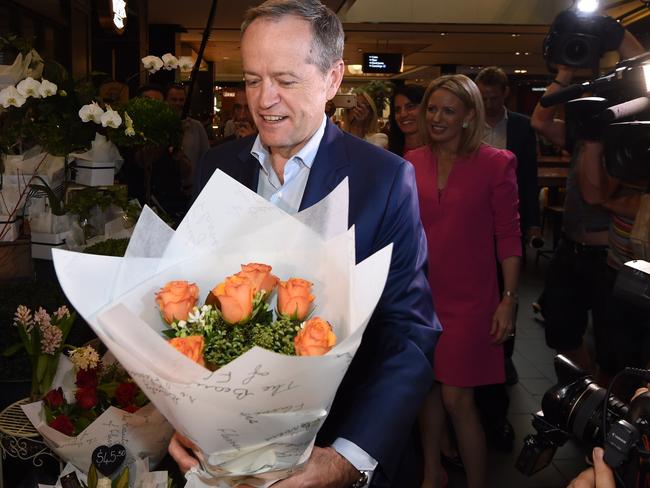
[574,408]
[579,40]
[617,113]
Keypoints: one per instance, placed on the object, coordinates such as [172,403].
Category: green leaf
[92,476]
[66,324]
[28,340]
[41,367]
[55,202]
[123,480]
[11,350]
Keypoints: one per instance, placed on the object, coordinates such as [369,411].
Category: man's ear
[334,78]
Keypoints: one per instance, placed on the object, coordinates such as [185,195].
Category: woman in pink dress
[468,202]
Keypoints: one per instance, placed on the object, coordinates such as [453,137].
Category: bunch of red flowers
[98,389]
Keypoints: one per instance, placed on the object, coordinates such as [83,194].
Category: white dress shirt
[288,196]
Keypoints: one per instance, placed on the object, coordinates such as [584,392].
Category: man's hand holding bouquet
[250,389]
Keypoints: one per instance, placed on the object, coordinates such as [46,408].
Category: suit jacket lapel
[510,137]
[329,166]
[247,171]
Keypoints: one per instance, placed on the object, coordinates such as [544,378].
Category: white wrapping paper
[258,415]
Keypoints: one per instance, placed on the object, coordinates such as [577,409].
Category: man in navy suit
[292,59]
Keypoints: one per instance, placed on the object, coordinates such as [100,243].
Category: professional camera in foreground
[577,407]
[617,112]
[579,40]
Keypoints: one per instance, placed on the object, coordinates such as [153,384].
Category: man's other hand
[326,468]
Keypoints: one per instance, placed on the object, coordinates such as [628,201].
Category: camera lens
[575,404]
[577,51]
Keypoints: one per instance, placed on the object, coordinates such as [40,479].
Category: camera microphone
[625,109]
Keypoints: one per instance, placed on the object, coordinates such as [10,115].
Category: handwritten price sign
[108,459]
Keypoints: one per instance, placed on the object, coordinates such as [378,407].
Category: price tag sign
[107,459]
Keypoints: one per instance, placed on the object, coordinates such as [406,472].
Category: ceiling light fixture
[587,6]
[355,69]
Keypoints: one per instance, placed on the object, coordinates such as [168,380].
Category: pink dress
[476,209]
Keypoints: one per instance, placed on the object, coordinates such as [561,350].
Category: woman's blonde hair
[369,125]
[469,94]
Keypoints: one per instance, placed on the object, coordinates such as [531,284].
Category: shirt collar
[306,155]
[503,120]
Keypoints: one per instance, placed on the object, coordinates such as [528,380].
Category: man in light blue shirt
[292,59]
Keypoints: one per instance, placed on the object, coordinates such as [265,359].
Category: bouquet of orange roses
[236,317]
[252,394]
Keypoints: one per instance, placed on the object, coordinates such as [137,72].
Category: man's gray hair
[326,28]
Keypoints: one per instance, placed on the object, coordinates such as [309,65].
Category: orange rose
[177,299]
[260,276]
[315,338]
[294,298]
[191,346]
[234,298]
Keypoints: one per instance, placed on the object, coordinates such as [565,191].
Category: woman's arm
[503,320]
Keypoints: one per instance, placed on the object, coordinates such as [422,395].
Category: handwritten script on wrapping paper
[260,413]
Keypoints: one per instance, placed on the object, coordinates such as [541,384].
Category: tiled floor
[534,362]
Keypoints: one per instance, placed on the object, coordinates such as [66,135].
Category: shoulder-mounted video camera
[616,113]
[579,40]
[579,408]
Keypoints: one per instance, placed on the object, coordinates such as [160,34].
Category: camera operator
[624,336]
[570,290]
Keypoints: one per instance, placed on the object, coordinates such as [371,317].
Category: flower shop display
[95,403]
[42,336]
[47,116]
[237,317]
[98,165]
[255,417]
[27,63]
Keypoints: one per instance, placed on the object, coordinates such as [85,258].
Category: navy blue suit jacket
[522,142]
[378,401]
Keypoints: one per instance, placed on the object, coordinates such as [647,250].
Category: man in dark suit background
[508,130]
[292,59]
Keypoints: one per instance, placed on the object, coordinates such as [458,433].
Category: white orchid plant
[167,62]
[41,110]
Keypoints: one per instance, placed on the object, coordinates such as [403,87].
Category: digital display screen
[382,62]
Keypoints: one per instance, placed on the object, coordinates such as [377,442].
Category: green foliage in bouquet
[154,124]
[51,122]
[43,338]
[225,342]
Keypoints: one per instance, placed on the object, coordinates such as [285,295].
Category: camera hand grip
[562,96]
